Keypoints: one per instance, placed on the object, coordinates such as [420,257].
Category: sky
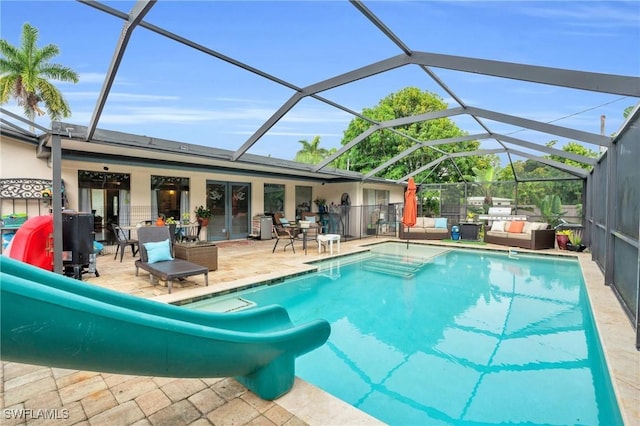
[166,90]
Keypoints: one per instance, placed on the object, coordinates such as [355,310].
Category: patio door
[229,204]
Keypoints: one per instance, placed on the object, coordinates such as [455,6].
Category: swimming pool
[439,336]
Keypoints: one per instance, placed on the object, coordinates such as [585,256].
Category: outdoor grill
[501,213]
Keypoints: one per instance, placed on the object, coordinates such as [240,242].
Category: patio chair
[123,241]
[156,257]
[282,229]
[190,233]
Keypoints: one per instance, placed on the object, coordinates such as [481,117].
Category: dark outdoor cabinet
[77,238]
[469,231]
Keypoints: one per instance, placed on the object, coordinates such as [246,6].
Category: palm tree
[311,153]
[26,71]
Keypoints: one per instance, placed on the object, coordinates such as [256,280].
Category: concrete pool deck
[79,397]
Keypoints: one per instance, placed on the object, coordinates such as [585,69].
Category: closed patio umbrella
[410,212]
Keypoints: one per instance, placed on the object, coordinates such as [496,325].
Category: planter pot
[578,248]
[203,221]
[562,240]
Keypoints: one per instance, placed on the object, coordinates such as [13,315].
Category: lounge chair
[156,257]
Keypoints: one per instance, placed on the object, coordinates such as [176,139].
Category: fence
[456,201]
[613,218]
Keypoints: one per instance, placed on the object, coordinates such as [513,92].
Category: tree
[311,153]
[383,145]
[627,111]
[574,148]
[26,72]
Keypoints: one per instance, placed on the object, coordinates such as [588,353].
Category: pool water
[428,335]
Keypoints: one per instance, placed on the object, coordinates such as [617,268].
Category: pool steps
[402,266]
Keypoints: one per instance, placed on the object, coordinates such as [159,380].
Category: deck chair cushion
[284,222]
[158,251]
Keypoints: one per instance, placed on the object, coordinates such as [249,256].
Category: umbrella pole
[408,230]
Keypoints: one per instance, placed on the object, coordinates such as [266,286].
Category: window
[303,200]
[273,198]
[375,197]
[169,196]
[106,195]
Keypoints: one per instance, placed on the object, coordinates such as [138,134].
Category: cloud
[118,96]
[292,133]
[92,77]
[593,14]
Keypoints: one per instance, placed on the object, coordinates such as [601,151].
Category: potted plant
[202,215]
[575,242]
[186,217]
[562,237]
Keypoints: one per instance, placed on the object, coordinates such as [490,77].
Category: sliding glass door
[229,204]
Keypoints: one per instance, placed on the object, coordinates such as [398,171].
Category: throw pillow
[528,226]
[497,225]
[310,219]
[516,227]
[284,222]
[428,222]
[441,223]
[158,252]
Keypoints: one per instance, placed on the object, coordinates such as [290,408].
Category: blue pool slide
[53,320]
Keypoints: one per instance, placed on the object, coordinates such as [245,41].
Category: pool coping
[315,406]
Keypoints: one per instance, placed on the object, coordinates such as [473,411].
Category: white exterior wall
[18,160]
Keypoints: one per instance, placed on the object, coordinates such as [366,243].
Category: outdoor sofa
[426,228]
[523,234]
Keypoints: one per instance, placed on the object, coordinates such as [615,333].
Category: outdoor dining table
[299,228]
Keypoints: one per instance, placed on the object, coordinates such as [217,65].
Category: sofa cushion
[441,223]
[500,234]
[526,229]
[516,227]
[518,236]
[429,222]
[497,225]
[444,231]
[539,225]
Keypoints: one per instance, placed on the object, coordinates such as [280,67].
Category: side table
[469,230]
[199,252]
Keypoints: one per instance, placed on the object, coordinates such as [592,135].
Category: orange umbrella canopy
[410,206]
